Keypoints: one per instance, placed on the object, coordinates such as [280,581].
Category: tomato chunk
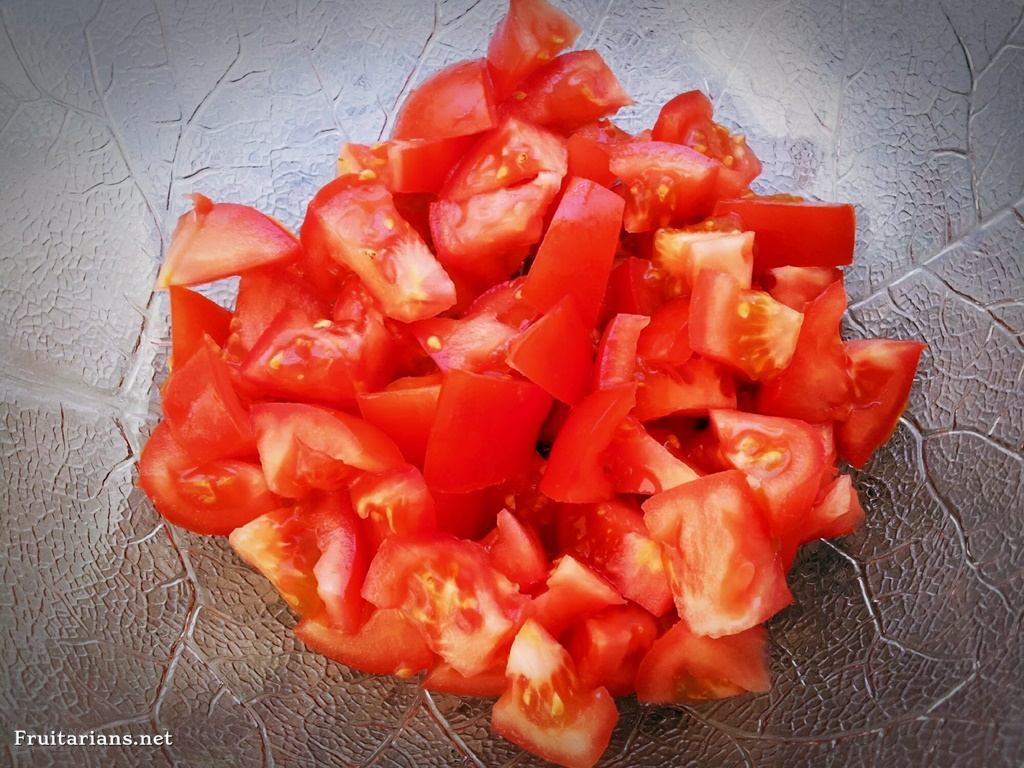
[684,667]
[883,373]
[476,343]
[637,463]
[262,295]
[457,101]
[633,288]
[531,33]
[404,411]
[573,592]
[444,679]
[387,644]
[556,353]
[609,647]
[616,353]
[215,240]
[396,502]
[546,709]
[666,340]
[344,557]
[516,551]
[837,512]
[194,316]
[690,389]
[682,255]
[725,574]
[797,286]
[465,610]
[408,166]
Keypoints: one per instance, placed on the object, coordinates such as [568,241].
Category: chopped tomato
[203,410]
[797,286]
[799,234]
[666,340]
[465,610]
[262,295]
[633,288]
[575,258]
[568,92]
[457,101]
[466,515]
[215,240]
[837,512]
[211,498]
[546,709]
[637,463]
[532,33]
[355,223]
[387,644]
[609,646]
[411,166]
[616,353]
[684,667]
[883,372]
[304,448]
[664,184]
[588,151]
[476,343]
[505,301]
[682,255]
[815,386]
[404,411]
[444,679]
[575,471]
[573,592]
[556,353]
[396,502]
[516,551]
[344,557]
[690,389]
[192,317]
[680,115]
[506,414]
[747,330]
[612,538]
[725,574]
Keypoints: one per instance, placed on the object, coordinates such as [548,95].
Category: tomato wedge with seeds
[194,316]
[683,667]
[556,353]
[682,255]
[410,166]
[546,709]
[394,503]
[457,101]
[262,295]
[215,240]
[344,558]
[477,343]
[465,610]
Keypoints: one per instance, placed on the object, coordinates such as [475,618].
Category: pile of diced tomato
[531,405]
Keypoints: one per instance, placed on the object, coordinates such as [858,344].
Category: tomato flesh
[573,592]
[609,647]
[387,644]
[517,552]
[560,335]
[617,350]
[404,411]
[194,316]
[457,101]
[532,33]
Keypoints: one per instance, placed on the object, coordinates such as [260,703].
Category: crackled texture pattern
[903,647]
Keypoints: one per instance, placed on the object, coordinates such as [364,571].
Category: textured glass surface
[904,645]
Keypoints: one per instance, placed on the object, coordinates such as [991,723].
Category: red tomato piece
[616,353]
[683,667]
[816,385]
[465,515]
[356,224]
[663,184]
[412,166]
[344,558]
[444,679]
[531,33]
[611,537]
[680,115]
[723,569]
[556,353]
[506,415]
[262,295]
[609,646]
[404,411]
[797,286]
[575,258]
[546,710]
[516,551]
[690,389]
[747,330]
[476,343]
[456,101]
[192,317]
[387,644]
[465,610]
[682,255]
[211,498]
[575,471]
[505,301]
[783,461]
[588,151]
[666,340]
[800,234]
[573,592]
[396,502]
[215,240]
[203,410]
[882,371]
[633,288]
[568,92]
[637,463]
[837,512]
[306,447]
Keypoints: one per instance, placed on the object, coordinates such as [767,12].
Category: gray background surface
[904,646]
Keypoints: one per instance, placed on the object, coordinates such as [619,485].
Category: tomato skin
[194,316]
[456,101]
[666,340]
[395,503]
[725,574]
[637,463]
[486,685]
[507,415]
[404,411]
[575,471]
[797,286]
[212,498]
[516,551]
[556,353]
[573,592]
[568,92]
[617,350]
[387,644]
[608,647]
[799,234]
[816,385]
[203,411]
[307,447]
[355,223]
[411,166]
[683,667]
[463,607]
[546,710]
[882,371]
[215,240]
[531,33]
[663,183]
[682,255]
